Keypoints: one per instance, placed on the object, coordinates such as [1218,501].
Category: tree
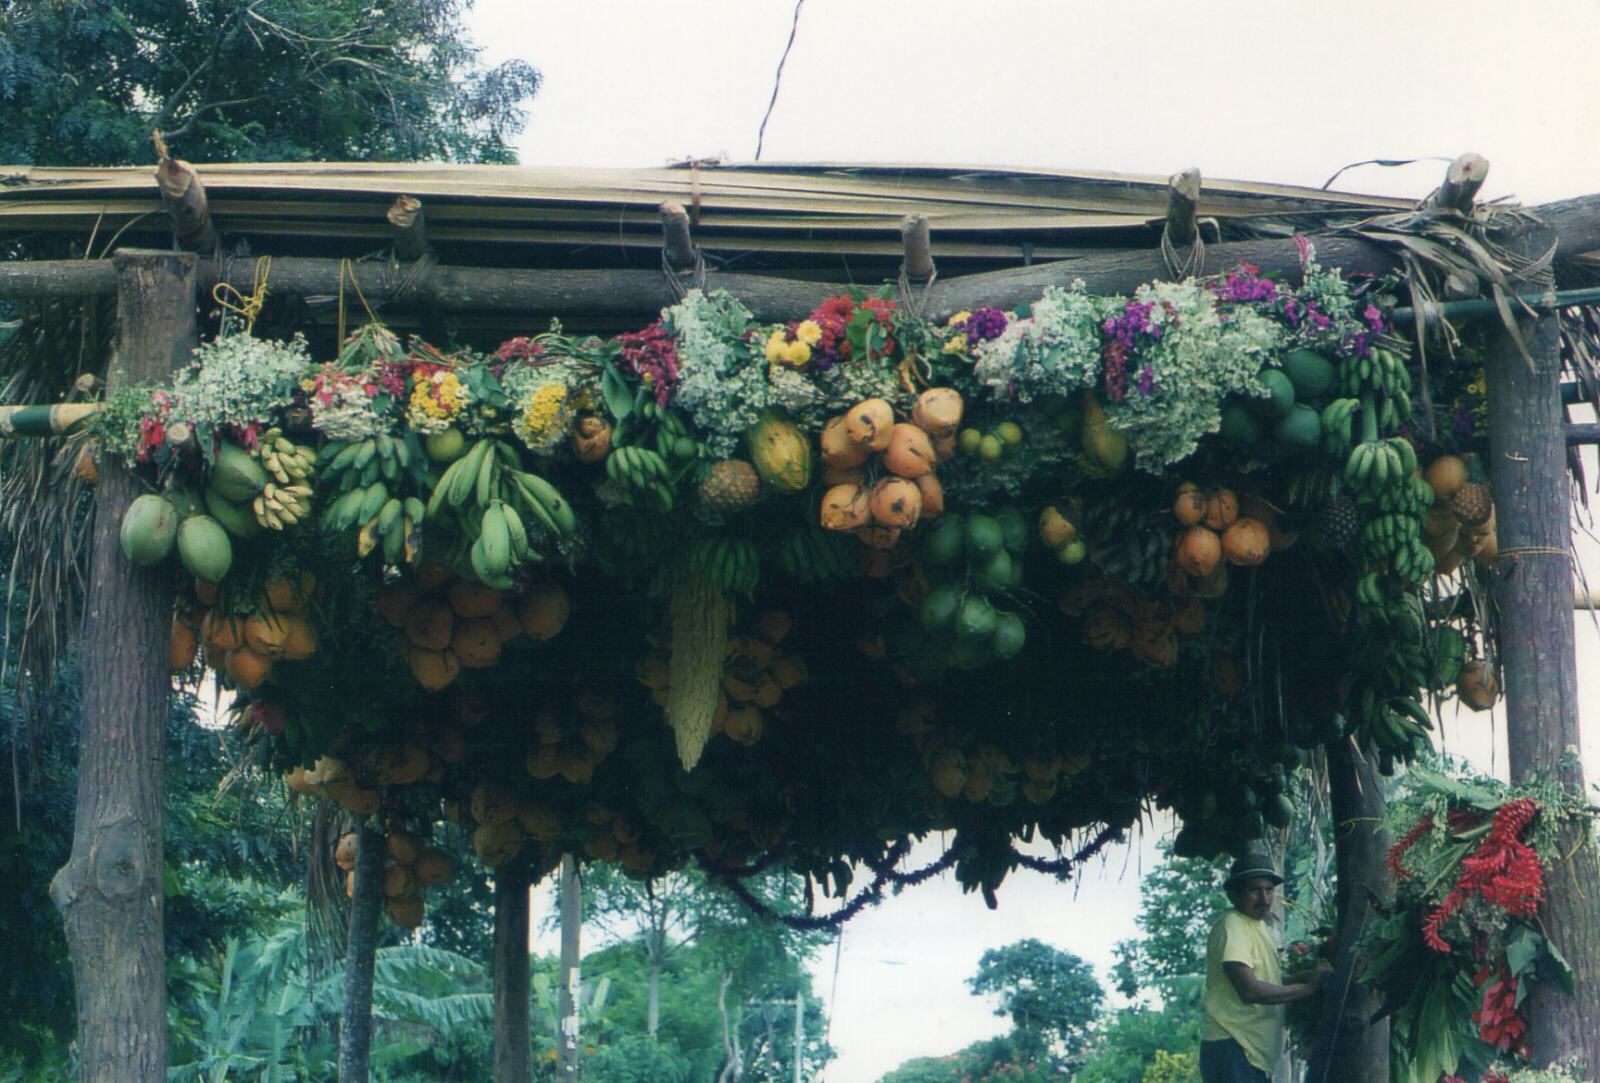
[85,81]
[1179,901]
[1051,996]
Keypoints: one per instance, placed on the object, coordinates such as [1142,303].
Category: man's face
[1253,897]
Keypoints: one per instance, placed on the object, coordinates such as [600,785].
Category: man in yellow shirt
[1243,1033]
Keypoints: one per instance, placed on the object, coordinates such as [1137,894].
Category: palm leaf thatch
[44,508]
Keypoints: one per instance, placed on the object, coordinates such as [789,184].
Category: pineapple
[730,484]
[1338,522]
[1472,503]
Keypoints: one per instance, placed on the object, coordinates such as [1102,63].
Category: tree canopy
[1051,995]
[85,81]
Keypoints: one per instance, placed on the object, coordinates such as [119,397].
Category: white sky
[1272,90]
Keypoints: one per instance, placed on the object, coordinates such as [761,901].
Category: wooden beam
[109,893]
[410,231]
[1533,592]
[640,294]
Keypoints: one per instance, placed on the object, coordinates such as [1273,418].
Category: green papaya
[149,528]
[236,475]
[204,548]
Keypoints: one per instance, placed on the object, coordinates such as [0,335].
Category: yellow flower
[797,354]
[959,317]
[777,343]
[956,345]
[809,332]
[544,415]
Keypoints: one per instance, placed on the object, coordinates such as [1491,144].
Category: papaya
[149,528]
[204,548]
[1310,372]
[781,452]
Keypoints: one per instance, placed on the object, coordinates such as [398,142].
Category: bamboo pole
[185,199]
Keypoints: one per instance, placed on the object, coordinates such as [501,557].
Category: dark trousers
[1224,1062]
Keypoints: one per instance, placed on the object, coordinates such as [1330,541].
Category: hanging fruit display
[919,576]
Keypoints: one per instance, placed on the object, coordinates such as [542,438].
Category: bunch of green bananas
[1383,375]
[812,554]
[731,563]
[495,502]
[674,442]
[644,474]
[288,462]
[1338,420]
[277,506]
[1396,727]
[371,478]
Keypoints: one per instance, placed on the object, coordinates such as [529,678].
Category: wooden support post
[109,892]
[1349,1045]
[360,956]
[1180,231]
[568,1068]
[1461,183]
[914,235]
[1528,468]
[513,1055]
[410,231]
[677,246]
[185,198]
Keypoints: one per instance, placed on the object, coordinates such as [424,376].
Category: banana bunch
[1396,727]
[375,481]
[396,525]
[644,473]
[1375,465]
[498,506]
[289,463]
[674,442]
[812,554]
[1338,419]
[277,506]
[1382,374]
[730,563]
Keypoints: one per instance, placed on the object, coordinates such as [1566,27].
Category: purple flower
[1246,286]
[1147,380]
[1374,317]
[984,324]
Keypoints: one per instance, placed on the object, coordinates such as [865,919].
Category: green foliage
[84,81]
[1179,901]
[1051,996]
[1127,1044]
[636,1059]
[1173,1068]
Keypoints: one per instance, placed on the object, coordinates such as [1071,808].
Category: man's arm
[1252,990]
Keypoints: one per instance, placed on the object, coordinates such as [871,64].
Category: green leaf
[1522,951]
[1554,968]
[614,389]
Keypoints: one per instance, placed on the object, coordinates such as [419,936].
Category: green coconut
[204,548]
[149,527]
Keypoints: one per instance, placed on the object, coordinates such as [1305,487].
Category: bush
[636,1059]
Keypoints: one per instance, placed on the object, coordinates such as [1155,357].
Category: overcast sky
[1278,90]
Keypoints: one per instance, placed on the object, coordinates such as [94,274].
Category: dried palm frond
[44,510]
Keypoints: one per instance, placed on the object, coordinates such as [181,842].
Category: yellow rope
[246,308]
[347,268]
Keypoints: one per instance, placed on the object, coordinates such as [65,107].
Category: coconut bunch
[1116,618]
[410,867]
[333,779]
[959,768]
[570,739]
[1461,523]
[881,472]
[1214,531]
[450,623]
[243,646]
[756,672]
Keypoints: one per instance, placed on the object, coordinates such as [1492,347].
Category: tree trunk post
[1533,592]
[360,955]
[109,892]
[568,1068]
[513,1056]
[1348,1045]
[652,1004]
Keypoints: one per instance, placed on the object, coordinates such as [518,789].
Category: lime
[971,653]
[946,542]
[984,536]
[685,447]
[446,446]
[996,573]
[1009,636]
[1009,432]
[990,448]
[939,607]
[976,619]
[1072,552]
[1014,527]
[968,441]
